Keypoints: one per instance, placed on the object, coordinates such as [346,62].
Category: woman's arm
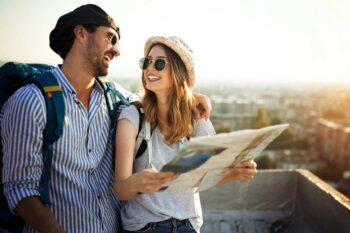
[127,184]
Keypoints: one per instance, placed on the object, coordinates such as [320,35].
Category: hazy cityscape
[318,138]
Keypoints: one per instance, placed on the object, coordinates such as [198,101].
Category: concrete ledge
[276,201]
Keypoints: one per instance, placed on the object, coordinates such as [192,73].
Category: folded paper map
[206,160]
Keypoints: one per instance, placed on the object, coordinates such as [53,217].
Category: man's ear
[80,33]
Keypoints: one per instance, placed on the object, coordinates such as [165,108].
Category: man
[82,167]
[80,185]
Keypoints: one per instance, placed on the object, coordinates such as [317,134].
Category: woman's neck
[162,112]
[162,106]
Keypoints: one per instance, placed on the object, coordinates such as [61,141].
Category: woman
[168,104]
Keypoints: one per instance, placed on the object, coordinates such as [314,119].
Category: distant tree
[332,114]
[283,141]
[330,172]
[301,144]
[265,162]
[275,121]
[274,116]
[262,119]
[224,127]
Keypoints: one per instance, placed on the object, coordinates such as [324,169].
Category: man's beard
[100,69]
[97,66]
[96,61]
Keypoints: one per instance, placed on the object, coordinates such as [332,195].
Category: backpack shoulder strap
[148,134]
[53,96]
[141,143]
[113,98]
[143,138]
[139,108]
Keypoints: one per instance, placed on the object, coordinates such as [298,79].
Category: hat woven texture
[85,14]
[178,46]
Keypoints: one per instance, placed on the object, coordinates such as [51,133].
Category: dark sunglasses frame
[113,38]
[159,63]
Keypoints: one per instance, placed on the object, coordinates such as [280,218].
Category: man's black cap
[85,14]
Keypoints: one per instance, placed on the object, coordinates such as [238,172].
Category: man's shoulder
[28,92]
[26,96]
[26,101]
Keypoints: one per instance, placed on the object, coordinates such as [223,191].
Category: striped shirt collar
[67,86]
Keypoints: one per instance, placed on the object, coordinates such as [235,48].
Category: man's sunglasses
[113,38]
[159,63]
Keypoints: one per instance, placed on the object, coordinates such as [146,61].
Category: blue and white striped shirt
[82,171]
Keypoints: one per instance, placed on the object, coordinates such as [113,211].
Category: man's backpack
[15,75]
[12,77]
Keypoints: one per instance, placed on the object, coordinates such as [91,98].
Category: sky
[237,41]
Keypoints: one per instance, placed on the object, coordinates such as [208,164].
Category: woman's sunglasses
[159,63]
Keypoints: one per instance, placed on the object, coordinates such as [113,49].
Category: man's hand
[203,105]
[243,171]
[38,215]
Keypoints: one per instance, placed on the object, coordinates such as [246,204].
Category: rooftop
[276,201]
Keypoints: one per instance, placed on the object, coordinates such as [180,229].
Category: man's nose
[116,50]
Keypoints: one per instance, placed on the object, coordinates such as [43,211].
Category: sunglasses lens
[160,64]
[143,63]
[114,40]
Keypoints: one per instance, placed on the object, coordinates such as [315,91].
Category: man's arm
[203,105]
[22,124]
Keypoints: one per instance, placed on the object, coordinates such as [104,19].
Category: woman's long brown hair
[181,115]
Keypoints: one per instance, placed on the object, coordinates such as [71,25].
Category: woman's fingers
[247,178]
[243,171]
[151,180]
[247,164]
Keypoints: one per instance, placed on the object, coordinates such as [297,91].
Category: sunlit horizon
[233,41]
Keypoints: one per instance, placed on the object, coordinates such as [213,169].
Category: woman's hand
[243,171]
[150,180]
[203,105]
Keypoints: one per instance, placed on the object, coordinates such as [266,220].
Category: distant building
[236,113]
[334,142]
[293,159]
